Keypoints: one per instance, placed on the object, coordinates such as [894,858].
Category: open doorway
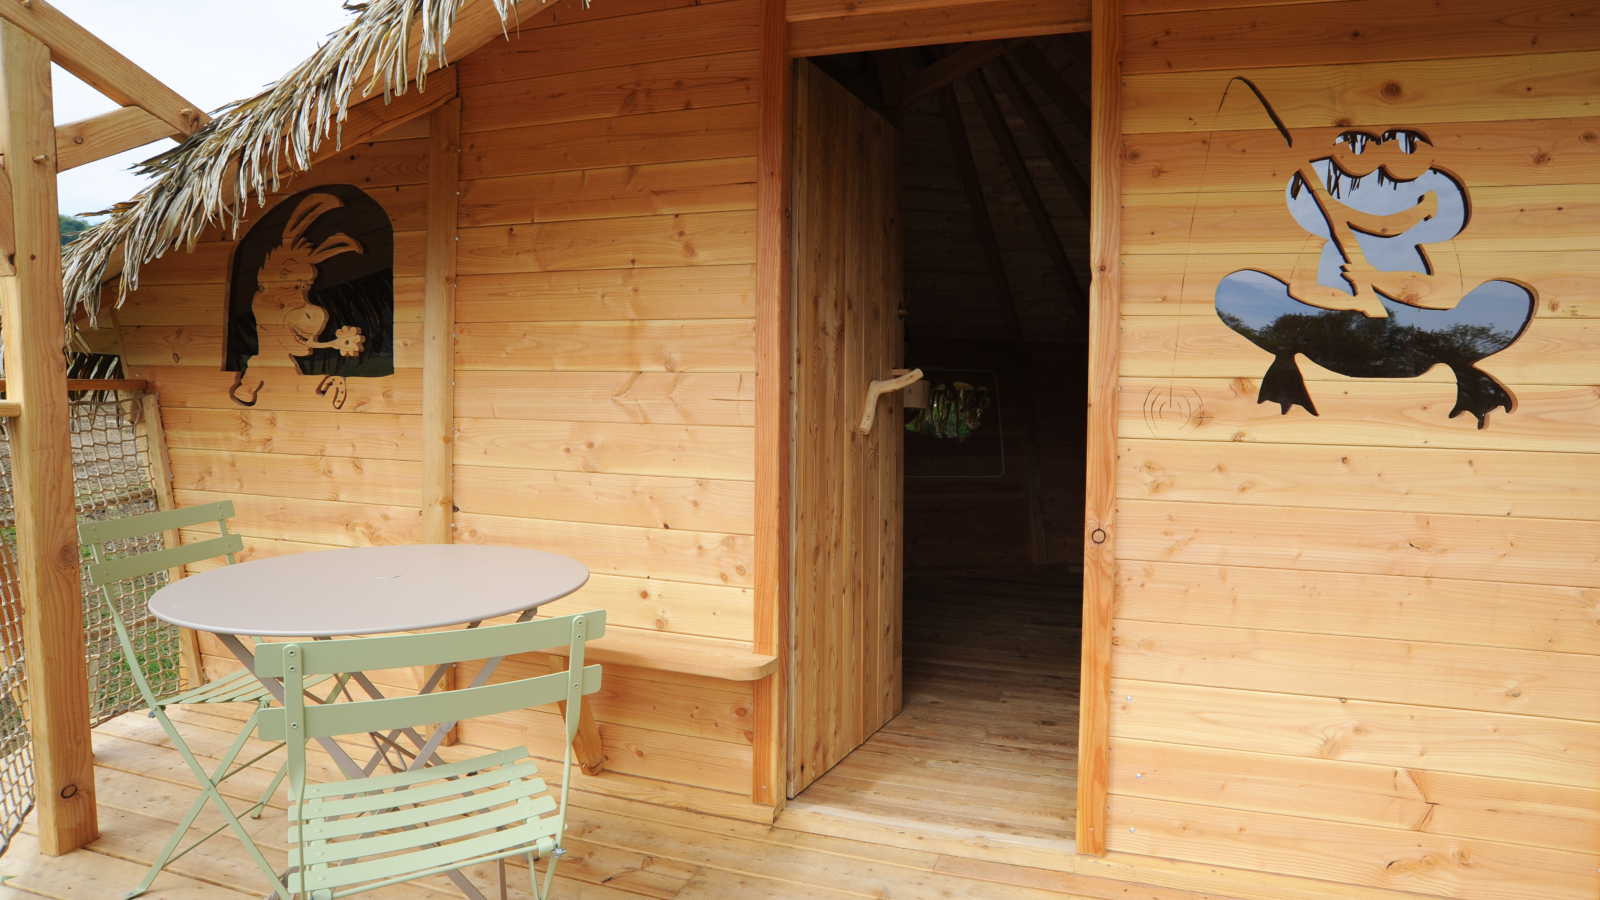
[993,231]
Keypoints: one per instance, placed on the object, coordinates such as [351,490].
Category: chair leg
[272,788]
[549,874]
[208,790]
[165,856]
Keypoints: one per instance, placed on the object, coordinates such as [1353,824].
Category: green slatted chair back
[109,568]
[112,565]
[354,836]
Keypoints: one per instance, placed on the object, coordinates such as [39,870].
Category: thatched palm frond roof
[209,178]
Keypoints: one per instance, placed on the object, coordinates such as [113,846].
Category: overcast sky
[210,51]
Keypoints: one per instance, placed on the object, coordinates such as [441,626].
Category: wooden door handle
[878,389]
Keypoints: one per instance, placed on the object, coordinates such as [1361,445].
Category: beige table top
[368,590]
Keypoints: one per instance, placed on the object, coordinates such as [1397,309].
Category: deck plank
[987,741]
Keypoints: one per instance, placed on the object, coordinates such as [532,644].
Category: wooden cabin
[1270,569]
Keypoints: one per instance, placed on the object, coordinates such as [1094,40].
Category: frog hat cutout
[1376,214]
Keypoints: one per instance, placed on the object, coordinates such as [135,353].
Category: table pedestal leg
[242,653]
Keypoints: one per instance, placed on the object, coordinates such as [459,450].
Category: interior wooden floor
[986,746]
[618,850]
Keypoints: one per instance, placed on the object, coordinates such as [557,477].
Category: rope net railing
[111,471]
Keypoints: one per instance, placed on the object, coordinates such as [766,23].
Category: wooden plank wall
[1359,647]
[604,360]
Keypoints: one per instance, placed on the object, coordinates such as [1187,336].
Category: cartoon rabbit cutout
[288,319]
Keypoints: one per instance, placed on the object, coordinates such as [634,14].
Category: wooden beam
[774,124]
[954,65]
[1039,127]
[1029,191]
[1099,530]
[82,142]
[75,49]
[1055,87]
[439,337]
[41,457]
[439,323]
[1077,43]
[8,225]
[957,129]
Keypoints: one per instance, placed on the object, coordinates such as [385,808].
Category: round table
[368,590]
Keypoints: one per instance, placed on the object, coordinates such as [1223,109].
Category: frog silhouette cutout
[312,295]
[1375,223]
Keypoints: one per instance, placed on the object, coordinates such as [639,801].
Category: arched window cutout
[312,294]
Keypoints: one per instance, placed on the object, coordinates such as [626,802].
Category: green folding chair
[353,836]
[113,564]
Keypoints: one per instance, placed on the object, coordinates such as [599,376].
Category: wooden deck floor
[986,747]
[993,711]
[619,850]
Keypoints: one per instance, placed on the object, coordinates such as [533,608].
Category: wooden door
[845,659]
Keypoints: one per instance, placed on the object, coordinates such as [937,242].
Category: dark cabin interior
[987,742]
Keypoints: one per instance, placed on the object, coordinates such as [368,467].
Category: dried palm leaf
[208,179]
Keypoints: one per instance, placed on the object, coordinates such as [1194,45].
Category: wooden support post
[774,164]
[73,48]
[41,456]
[1100,503]
[161,479]
[1029,191]
[439,339]
[587,750]
[1072,107]
[439,323]
[968,167]
[1039,127]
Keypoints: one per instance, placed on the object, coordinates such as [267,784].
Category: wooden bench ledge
[686,655]
[640,649]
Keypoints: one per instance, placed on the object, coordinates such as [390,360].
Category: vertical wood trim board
[155,436]
[775,88]
[41,457]
[1099,533]
[439,324]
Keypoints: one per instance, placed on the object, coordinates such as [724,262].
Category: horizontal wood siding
[1362,646]
[605,354]
[604,394]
